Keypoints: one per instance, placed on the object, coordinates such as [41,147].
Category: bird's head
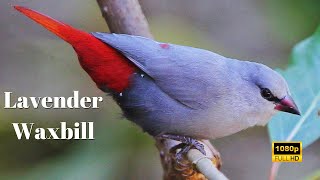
[274,90]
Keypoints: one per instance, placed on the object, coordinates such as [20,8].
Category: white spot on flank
[120,94]
[142,75]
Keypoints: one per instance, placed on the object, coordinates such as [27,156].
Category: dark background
[36,63]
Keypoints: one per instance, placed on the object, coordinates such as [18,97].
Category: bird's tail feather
[105,65]
[62,30]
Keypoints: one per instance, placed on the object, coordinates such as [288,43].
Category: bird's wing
[186,74]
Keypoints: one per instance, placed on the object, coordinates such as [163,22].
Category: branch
[126,16]
[205,165]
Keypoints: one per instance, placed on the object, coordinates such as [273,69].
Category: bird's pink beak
[287,105]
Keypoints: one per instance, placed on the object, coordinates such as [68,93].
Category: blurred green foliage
[304,67]
[299,18]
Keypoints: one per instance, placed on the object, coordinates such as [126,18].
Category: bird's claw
[186,143]
[180,150]
[199,147]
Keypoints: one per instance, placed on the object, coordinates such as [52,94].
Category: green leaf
[303,77]
[314,176]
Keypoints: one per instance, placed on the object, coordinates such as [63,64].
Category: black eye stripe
[266,93]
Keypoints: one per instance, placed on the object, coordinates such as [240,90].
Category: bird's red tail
[106,66]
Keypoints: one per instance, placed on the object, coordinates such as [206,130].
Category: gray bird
[174,91]
[194,92]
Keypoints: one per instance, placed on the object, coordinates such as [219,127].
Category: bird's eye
[266,93]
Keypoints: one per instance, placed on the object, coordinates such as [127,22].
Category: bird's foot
[186,144]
